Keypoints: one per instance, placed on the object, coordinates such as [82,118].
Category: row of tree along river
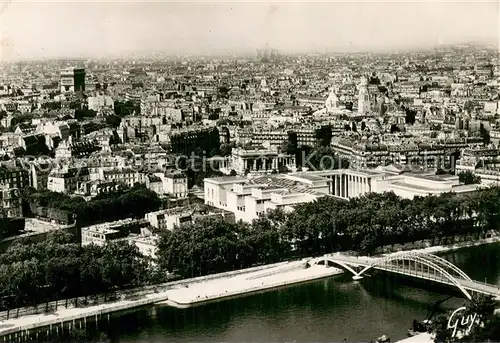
[331,309]
[57,268]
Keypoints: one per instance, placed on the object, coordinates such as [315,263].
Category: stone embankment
[420,338]
[183,293]
[21,328]
[296,272]
[195,291]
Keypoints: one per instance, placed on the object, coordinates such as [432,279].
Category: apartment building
[66,180]
[14,175]
[39,174]
[147,245]
[175,183]
[10,200]
[124,175]
[177,217]
[100,102]
[102,234]
[274,138]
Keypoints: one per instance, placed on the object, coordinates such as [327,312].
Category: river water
[328,310]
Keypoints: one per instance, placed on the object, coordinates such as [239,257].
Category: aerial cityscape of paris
[249,171]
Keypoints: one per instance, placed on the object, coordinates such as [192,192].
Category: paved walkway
[182,295]
[69,314]
[443,248]
[280,275]
[420,338]
[241,284]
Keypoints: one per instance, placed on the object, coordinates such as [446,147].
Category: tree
[204,247]
[226,149]
[489,332]
[75,105]
[113,121]
[410,116]
[81,114]
[58,267]
[395,128]
[468,178]
[288,147]
[440,328]
[487,328]
[469,105]
[133,203]
[324,136]
[123,109]
[483,305]
[484,134]
[223,91]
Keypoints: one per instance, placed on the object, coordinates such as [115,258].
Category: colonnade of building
[264,164]
[349,186]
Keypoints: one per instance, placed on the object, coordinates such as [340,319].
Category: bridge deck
[480,287]
[470,285]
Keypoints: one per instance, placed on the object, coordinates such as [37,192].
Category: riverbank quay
[136,293]
[445,248]
[26,327]
[196,291]
[279,275]
[423,337]
[243,284]
[426,337]
[184,293]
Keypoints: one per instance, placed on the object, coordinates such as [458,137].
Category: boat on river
[419,327]
[426,324]
[383,339]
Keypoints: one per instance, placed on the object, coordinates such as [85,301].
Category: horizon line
[253,54]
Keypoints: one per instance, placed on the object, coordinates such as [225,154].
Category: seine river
[328,310]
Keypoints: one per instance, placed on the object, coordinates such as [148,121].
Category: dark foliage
[328,225]
[133,203]
[469,178]
[58,268]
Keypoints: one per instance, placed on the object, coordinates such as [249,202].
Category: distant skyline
[91,29]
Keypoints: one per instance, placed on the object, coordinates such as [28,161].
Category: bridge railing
[471,285]
[425,266]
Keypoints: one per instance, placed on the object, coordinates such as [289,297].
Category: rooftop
[188,210]
[413,186]
[225,179]
[109,226]
[103,230]
[280,182]
[153,240]
[307,176]
[175,174]
[432,177]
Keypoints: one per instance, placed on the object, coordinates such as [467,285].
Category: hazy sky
[38,29]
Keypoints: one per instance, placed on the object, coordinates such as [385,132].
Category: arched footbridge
[419,265]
